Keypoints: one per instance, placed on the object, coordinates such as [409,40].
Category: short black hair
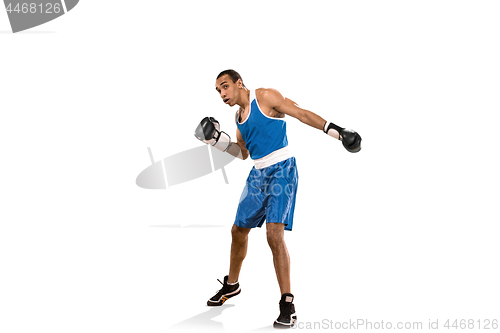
[234,75]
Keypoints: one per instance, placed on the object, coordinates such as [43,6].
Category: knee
[274,239]
[238,234]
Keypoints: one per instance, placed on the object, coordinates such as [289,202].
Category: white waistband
[273,158]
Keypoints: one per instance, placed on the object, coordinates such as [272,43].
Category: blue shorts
[269,195]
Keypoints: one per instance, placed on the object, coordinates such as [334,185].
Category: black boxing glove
[350,139]
[208,132]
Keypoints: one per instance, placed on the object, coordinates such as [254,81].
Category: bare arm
[237,148]
[274,99]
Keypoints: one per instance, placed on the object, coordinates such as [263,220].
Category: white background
[405,230]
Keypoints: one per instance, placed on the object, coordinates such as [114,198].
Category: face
[228,90]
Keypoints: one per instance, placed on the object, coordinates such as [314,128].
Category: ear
[239,83]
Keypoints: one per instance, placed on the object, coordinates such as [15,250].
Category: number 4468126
[471,324]
[33,8]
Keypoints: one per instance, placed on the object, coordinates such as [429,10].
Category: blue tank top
[262,134]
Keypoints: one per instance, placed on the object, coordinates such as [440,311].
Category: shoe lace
[222,286]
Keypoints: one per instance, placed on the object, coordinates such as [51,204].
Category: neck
[244,98]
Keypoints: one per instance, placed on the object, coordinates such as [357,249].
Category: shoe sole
[224,298]
[281,325]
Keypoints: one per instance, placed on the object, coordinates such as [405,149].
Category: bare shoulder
[269,97]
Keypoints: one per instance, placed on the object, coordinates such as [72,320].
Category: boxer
[271,187]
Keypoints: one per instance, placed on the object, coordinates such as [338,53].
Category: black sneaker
[225,293]
[287,317]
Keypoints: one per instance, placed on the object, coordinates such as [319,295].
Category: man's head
[234,75]
[229,84]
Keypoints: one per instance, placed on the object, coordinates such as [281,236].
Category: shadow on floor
[202,322]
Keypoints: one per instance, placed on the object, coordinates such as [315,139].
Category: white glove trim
[223,142]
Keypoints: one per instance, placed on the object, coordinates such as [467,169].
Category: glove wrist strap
[329,126]
[223,141]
